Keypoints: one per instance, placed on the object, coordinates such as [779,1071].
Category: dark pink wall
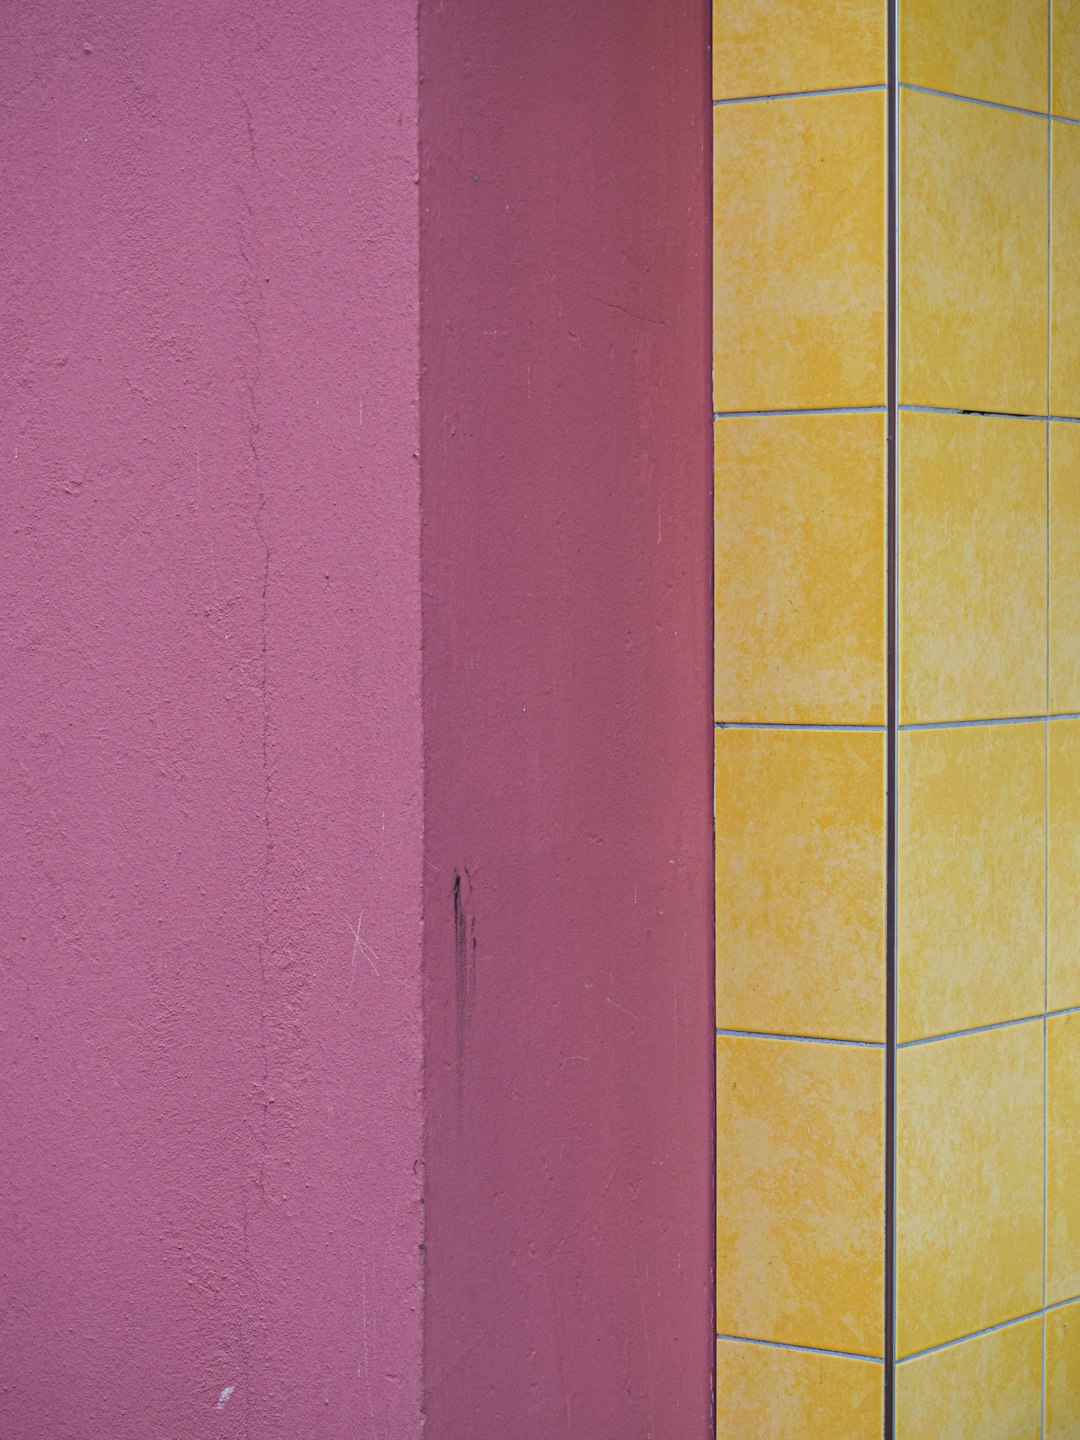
[566,444]
[210,753]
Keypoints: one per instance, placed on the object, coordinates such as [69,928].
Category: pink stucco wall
[354,664]
[567,624]
[210,764]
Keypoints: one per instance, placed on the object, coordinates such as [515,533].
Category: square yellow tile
[800,1192]
[973,259]
[990,1387]
[972,567]
[1062,1158]
[800,882]
[995,50]
[1063,1373]
[799,252]
[971,877]
[1065,270]
[772,47]
[969,1191]
[765,1393]
[1064,569]
[800,508]
[1065,70]
[1063,854]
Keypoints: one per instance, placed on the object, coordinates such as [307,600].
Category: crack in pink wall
[210,721]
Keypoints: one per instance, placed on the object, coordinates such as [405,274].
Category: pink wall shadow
[568,727]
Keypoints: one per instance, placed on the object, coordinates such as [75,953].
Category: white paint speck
[223,1398]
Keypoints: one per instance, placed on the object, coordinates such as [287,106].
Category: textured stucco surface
[567,636]
[209,721]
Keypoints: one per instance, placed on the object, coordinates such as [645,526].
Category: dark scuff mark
[464,966]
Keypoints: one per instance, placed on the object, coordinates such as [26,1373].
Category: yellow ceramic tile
[799,253]
[1065,73]
[1064,569]
[772,47]
[972,567]
[800,1195]
[800,882]
[972,256]
[995,50]
[969,1189]
[765,1393]
[1063,1373]
[800,568]
[1062,1158]
[989,1388]
[971,882]
[1065,270]
[1063,854]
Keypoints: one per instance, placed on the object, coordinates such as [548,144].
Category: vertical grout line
[710,193]
[1046,752]
[892,737]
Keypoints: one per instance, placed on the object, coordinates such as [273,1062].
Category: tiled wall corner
[897,695]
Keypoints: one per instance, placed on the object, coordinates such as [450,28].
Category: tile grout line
[795,725]
[883,410]
[1046,114]
[802,1349]
[1046,657]
[892,741]
[984,1029]
[798,1039]
[804,410]
[883,729]
[1039,1314]
[798,94]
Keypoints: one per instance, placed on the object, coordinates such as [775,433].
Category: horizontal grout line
[1057,1305]
[971,100]
[982,1029]
[907,729]
[798,94]
[783,725]
[810,410]
[990,1330]
[968,724]
[803,1349]
[799,1039]
[974,1030]
[990,414]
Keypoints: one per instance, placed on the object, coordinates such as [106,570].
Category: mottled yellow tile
[772,47]
[1065,71]
[972,567]
[800,882]
[971,877]
[1062,1158]
[969,1190]
[765,1393]
[800,504]
[989,1388]
[995,50]
[800,1192]
[799,252]
[1063,856]
[1063,1373]
[973,260]
[1065,270]
[1064,569]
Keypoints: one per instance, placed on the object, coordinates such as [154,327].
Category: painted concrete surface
[567,635]
[209,721]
